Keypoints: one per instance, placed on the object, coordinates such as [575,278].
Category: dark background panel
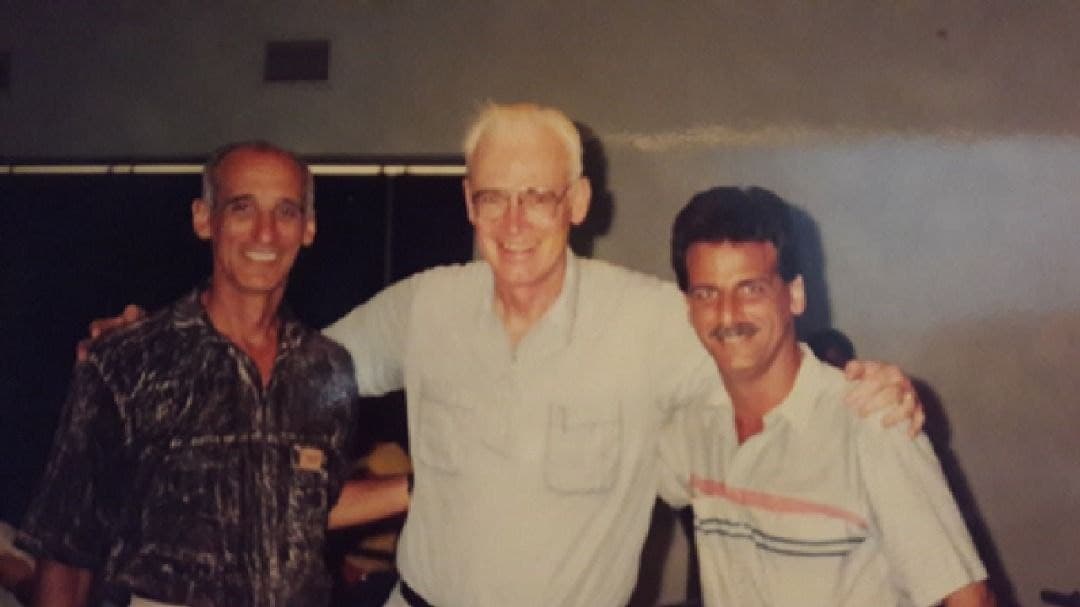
[344,266]
[78,247]
[428,224]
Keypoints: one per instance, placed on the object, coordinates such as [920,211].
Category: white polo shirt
[819,509]
[536,467]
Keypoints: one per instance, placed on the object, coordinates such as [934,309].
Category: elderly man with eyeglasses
[537,382]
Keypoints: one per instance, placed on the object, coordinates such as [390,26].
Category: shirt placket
[738,475]
[262,564]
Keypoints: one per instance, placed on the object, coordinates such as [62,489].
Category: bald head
[211,169]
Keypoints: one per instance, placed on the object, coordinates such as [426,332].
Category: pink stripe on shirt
[774,503]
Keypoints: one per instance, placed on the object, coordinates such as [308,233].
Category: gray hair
[213,163]
[494,116]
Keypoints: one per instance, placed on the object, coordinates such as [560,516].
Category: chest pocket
[584,442]
[308,496]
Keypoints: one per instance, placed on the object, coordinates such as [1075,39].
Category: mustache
[739,329]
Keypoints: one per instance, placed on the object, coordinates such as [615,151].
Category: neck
[520,307]
[249,320]
[754,395]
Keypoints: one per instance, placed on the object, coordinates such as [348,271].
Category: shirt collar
[189,312]
[797,407]
[560,318]
[555,328]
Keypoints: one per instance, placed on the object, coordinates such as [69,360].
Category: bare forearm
[60,585]
[366,500]
[976,594]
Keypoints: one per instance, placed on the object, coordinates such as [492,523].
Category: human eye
[539,197]
[753,288]
[491,204]
[489,198]
[703,294]
[239,207]
[289,211]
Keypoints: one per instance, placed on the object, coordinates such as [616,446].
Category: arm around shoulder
[366,500]
[374,335]
[881,386]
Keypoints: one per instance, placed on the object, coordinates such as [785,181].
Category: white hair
[494,116]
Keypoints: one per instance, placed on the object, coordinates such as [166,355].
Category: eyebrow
[239,197]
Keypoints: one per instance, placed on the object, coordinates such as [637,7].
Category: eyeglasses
[538,204]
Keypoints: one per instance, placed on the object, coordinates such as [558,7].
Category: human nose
[514,216]
[727,310]
[265,226]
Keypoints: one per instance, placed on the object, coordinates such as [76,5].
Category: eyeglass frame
[535,209]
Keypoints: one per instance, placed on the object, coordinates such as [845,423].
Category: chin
[261,287]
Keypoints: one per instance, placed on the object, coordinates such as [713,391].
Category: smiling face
[257,222]
[742,310]
[525,249]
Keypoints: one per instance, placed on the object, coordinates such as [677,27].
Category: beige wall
[935,146]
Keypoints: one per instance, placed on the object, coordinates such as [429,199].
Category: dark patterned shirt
[180,477]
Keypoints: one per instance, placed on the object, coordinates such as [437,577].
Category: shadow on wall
[938,431]
[1016,374]
[602,207]
[833,347]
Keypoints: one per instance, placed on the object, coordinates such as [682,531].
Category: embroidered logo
[311,459]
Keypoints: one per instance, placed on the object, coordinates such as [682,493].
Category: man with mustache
[537,384]
[796,502]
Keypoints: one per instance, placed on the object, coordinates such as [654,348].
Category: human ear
[581,196]
[797,291]
[201,216]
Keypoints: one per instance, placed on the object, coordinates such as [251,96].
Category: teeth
[263,256]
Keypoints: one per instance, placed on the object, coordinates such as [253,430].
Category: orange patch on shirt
[311,459]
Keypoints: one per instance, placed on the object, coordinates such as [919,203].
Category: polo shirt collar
[798,406]
[560,318]
[555,328]
[190,312]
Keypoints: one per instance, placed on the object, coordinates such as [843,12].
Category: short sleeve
[926,542]
[673,482]
[680,363]
[375,333]
[68,519]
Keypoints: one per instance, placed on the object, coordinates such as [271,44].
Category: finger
[872,377]
[854,370]
[862,393]
[918,418]
[132,313]
[101,326]
[97,328]
[904,409]
[82,350]
[889,398]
